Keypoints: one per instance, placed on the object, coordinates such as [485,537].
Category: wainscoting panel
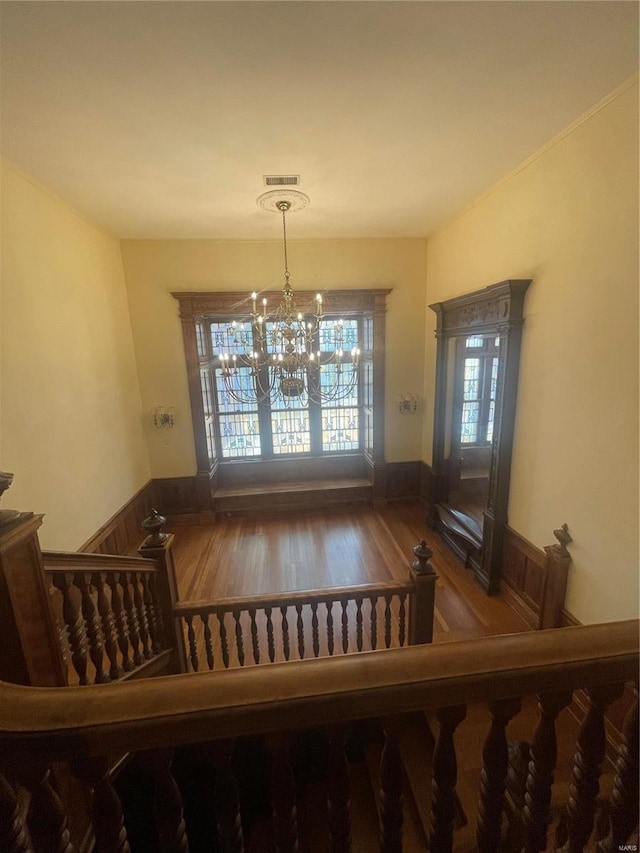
[123,533]
[402,481]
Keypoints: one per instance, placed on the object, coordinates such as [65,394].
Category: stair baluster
[255,644]
[224,642]
[391,781]
[445,776]
[300,627]
[315,635]
[227,798]
[283,795]
[359,623]
[75,625]
[142,616]
[271,646]
[286,646]
[14,836]
[623,812]
[167,803]
[107,619]
[122,626]
[338,801]
[193,648]
[544,754]
[132,618]
[387,620]
[495,764]
[92,627]
[402,617]
[374,622]
[239,637]
[46,817]
[585,778]
[344,603]
[330,641]
[106,808]
[208,641]
[154,627]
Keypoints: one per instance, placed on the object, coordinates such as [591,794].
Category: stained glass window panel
[469,428]
[290,431]
[338,334]
[233,340]
[239,435]
[471,378]
[340,429]
[336,380]
[475,341]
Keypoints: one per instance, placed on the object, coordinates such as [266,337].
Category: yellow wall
[569,221]
[70,428]
[156,268]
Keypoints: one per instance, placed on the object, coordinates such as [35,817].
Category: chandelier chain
[287,275]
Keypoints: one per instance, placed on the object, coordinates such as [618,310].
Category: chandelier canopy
[298,356]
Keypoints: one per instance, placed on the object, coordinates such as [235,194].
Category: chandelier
[286,354]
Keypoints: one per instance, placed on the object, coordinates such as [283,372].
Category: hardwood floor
[245,556]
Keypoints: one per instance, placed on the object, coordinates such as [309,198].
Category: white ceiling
[159,119]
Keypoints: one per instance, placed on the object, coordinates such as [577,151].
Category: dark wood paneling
[402,481]
[535,581]
[175,495]
[427,488]
[122,533]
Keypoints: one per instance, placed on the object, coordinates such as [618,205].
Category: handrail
[172,710]
[73,560]
[290,599]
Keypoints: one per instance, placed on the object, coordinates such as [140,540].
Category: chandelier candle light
[289,354]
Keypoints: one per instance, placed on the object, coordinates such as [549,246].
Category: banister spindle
[315,633]
[75,625]
[239,637]
[132,618]
[402,619]
[495,765]
[46,817]
[141,613]
[286,645]
[345,625]
[544,754]
[92,626]
[330,641]
[106,808]
[387,620]
[208,642]
[154,626]
[122,626]
[374,621]
[300,630]
[271,646]
[193,647]
[167,803]
[14,836]
[255,643]
[107,619]
[338,800]
[585,778]
[224,642]
[623,806]
[359,623]
[226,798]
[283,795]
[391,780]
[445,776]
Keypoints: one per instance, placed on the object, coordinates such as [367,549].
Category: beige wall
[156,268]
[569,221]
[70,428]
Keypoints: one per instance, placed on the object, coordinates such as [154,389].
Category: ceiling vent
[281,180]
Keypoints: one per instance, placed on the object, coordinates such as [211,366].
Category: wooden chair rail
[64,561]
[291,599]
[193,708]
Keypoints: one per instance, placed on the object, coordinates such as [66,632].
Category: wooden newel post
[558,560]
[422,600]
[157,546]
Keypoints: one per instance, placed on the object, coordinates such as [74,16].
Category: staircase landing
[294,495]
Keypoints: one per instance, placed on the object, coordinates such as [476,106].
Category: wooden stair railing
[84,725]
[111,616]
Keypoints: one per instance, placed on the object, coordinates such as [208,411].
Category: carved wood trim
[195,304]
